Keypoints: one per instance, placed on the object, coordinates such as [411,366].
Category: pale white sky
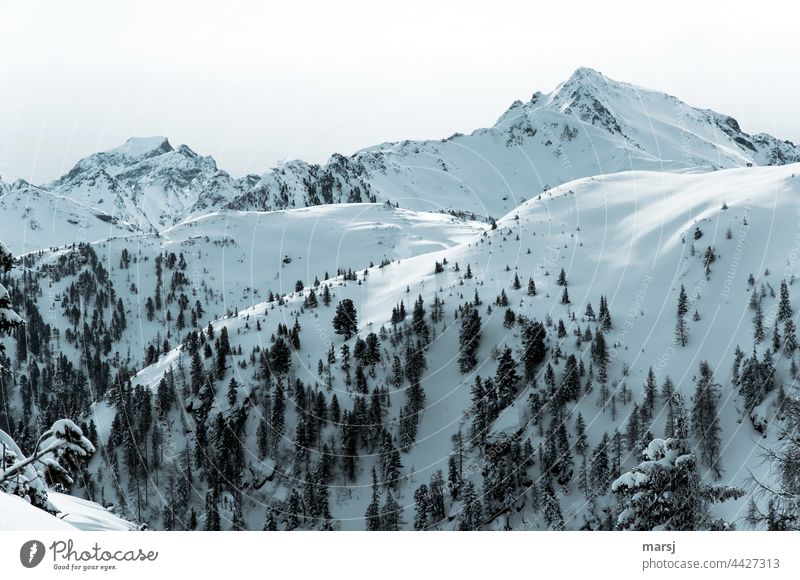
[254,82]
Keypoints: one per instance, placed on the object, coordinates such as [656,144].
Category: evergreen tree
[278,417]
[421,507]
[212,521]
[784,307]
[469,338]
[280,357]
[233,391]
[782,494]
[373,514]
[600,472]
[581,441]
[471,514]
[681,329]
[650,389]
[789,338]
[198,373]
[533,348]
[551,507]
[666,491]
[705,420]
[506,378]
[758,324]
[390,514]
[667,388]
[480,420]
[345,321]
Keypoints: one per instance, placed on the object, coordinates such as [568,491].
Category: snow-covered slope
[634,238]
[589,125]
[276,249]
[32,218]
[235,259]
[16,514]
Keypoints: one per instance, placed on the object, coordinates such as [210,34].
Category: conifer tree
[758,324]
[421,507]
[551,507]
[789,338]
[705,421]
[533,348]
[471,513]
[373,514]
[784,306]
[581,441]
[666,491]
[390,514]
[469,338]
[650,393]
[506,378]
[600,472]
[681,329]
[345,321]
[479,425]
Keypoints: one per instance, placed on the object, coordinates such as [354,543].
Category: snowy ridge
[588,125]
[32,218]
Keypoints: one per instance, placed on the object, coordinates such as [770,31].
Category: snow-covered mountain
[589,125]
[145,181]
[634,238]
[241,360]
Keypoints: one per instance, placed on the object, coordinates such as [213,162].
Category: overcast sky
[251,83]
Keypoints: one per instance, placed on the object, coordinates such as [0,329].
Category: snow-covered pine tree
[9,320]
[665,491]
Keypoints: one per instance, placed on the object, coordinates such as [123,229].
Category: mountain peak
[584,81]
[584,72]
[143,147]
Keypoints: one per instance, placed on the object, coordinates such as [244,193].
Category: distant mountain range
[589,125]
